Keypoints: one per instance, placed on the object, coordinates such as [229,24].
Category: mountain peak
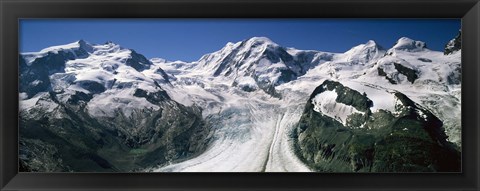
[85,45]
[363,53]
[110,43]
[77,45]
[371,43]
[81,41]
[258,41]
[408,44]
[454,45]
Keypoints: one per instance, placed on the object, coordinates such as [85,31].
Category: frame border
[12,10]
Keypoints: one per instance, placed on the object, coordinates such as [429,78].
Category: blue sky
[189,39]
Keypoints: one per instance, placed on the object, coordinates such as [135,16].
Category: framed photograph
[194,95]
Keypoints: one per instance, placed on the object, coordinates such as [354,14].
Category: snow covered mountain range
[251,106]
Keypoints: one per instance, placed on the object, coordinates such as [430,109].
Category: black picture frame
[13,10]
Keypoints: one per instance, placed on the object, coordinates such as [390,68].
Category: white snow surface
[325,104]
[382,98]
[408,44]
[31,56]
[105,66]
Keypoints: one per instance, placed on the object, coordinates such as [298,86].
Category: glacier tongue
[251,135]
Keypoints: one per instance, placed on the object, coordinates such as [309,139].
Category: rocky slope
[454,45]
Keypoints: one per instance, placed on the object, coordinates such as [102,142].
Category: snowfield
[325,104]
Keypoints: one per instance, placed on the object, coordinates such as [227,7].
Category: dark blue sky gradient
[189,39]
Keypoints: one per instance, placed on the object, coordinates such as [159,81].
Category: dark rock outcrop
[393,77]
[138,61]
[410,73]
[410,140]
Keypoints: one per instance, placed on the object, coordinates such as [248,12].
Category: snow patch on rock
[325,104]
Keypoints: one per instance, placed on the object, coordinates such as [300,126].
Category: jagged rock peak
[85,45]
[454,45]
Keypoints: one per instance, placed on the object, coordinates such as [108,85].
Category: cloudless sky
[189,39]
